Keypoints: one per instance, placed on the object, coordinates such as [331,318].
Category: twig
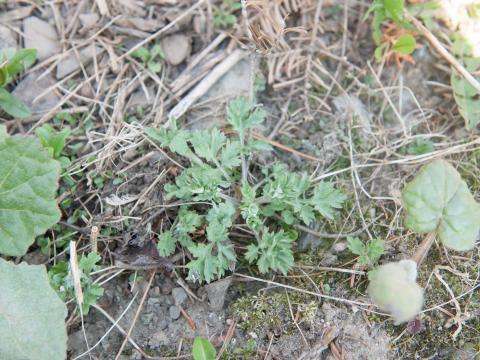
[443,52]
[94,238]
[137,313]
[228,337]
[187,318]
[114,325]
[76,273]
[204,85]
[423,249]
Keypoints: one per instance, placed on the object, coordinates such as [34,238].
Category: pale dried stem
[423,249]
[443,52]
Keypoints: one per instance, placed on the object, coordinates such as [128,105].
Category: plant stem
[242,157]
[423,249]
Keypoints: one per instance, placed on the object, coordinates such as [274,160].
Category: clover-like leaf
[32,315]
[439,200]
[405,44]
[393,288]
[28,183]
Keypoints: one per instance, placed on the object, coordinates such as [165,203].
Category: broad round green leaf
[28,183]
[32,315]
[393,288]
[203,349]
[405,44]
[439,200]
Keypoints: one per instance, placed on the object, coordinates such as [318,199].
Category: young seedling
[218,184]
[395,40]
[369,253]
[62,281]
[151,58]
[437,203]
[13,62]
[223,15]
[54,142]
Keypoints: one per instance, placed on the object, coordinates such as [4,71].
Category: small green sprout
[399,43]
[61,280]
[223,15]
[368,254]
[151,58]
[54,142]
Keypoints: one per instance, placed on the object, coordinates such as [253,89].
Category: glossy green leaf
[28,183]
[405,44]
[32,315]
[12,105]
[203,349]
[393,288]
[437,199]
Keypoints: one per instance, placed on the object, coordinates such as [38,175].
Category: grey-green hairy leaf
[203,349]
[393,288]
[439,200]
[32,315]
[28,183]
[466,96]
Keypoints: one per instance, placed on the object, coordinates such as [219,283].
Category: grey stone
[71,62]
[216,292]
[174,312]
[31,87]
[176,48]
[88,20]
[40,35]
[7,39]
[179,295]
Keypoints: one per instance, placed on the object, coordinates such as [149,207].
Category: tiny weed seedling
[13,62]
[152,58]
[395,40]
[437,203]
[369,253]
[217,181]
[54,142]
[61,280]
[223,15]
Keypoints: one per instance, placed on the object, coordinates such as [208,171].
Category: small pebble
[179,295]
[339,247]
[166,288]
[174,312]
[155,291]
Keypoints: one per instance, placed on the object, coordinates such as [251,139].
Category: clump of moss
[270,312]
